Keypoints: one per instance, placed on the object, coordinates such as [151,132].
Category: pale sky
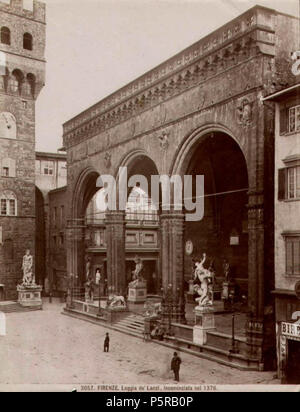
[94,47]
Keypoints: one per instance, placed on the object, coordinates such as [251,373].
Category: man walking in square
[106,343]
[175,366]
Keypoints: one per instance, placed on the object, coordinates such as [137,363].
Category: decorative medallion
[244,113]
[164,140]
[107,159]
[189,247]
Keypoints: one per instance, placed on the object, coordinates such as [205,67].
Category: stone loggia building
[22,76]
[200,112]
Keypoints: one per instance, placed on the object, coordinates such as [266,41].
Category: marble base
[30,296]
[204,322]
[137,294]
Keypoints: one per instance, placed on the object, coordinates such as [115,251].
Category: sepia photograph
[150,198]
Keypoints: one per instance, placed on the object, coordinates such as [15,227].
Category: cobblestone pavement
[45,347]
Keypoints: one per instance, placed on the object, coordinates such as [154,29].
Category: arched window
[8,203]
[27,41]
[30,84]
[5,35]
[16,80]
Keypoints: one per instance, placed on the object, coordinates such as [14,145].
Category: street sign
[297,289]
[290,330]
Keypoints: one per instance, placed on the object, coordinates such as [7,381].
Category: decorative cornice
[232,44]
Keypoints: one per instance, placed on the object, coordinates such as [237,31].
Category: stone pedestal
[30,296]
[191,292]
[204,322]
[137,293]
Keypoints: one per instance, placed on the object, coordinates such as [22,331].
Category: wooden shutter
[282,184]
[283,120]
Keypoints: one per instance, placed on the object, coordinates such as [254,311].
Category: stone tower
[22,76]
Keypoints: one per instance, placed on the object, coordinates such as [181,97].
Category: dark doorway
[293,363]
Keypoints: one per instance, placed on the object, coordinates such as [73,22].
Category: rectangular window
[4,207]
[12,207]
[5,171]
[62,215]
[294,119]
[48,168]
[293,255]
[55,216]
[294,182]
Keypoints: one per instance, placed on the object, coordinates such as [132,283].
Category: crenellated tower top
[26,8]
[22,47]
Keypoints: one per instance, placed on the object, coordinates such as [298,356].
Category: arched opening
[85,189]
[141,224]
[29,86]
[16,81]
[142,221]
[223,232]
[27,41]
[5,35]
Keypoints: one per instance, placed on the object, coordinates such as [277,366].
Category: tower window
[5,172]
[27,41]
[5,35]
[8,204]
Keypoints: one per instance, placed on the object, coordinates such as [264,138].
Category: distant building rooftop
[49,155]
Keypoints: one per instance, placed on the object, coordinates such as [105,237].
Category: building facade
[50,174]
[22,76]
[287,231]
[199,113]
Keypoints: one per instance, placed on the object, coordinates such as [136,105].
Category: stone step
[222,356]
[213,354]
[132,322]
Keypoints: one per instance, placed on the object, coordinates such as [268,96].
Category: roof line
[281,92]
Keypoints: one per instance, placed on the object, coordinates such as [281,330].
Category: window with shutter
[281,184]
[292,255]
[283,120]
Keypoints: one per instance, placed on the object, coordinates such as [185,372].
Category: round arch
[85,188]
[137,162]
[189,145]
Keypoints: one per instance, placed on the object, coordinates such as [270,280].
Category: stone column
[172,260]
[115,252]
[75,249]
[255,324]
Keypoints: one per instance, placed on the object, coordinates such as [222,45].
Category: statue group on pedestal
[137,274]
[206,278]
[27,267]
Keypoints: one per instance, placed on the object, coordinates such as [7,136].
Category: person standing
[106,343]
[175,366]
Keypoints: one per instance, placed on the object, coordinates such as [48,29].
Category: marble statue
[152,309]
[226,269]
[137,273]
[204,290]
[88,267]
[116,301]
[97,277]
[28,278]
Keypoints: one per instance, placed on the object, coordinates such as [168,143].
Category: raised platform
[14,306]
[217,348]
